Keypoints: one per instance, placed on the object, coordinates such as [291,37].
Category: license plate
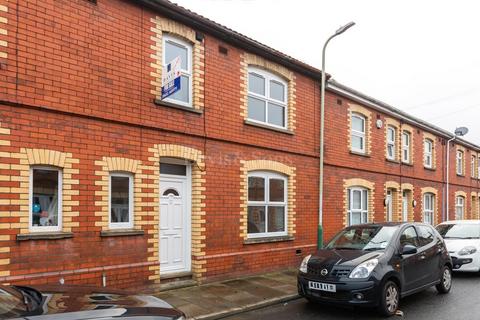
[322,286]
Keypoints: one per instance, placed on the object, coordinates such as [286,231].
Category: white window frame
[266,202]
[428,211]
[351,211]
[58,228]
[268,76]
[406,144]
[389,203]
[391,143]
[459,162]
[472,165]
[428,153]
[179,42]
[405,205]
[121,225]
[459,207]
[359,134]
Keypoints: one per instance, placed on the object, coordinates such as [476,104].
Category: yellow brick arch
[181,152]
[268,165]
[121,164]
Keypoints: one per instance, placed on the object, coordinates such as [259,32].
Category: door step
[176,280]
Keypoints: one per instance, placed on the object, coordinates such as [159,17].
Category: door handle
[422,257]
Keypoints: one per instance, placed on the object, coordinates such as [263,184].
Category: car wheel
[389,300]
[445,281]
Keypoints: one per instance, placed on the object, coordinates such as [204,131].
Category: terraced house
[102,181]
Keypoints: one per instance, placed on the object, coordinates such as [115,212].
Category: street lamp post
[322,114]
[459,132]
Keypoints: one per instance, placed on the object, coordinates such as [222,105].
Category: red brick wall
[81,84]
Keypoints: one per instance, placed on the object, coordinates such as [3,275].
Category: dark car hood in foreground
[341,257]
[79,302]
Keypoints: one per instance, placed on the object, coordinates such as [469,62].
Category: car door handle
[422,257]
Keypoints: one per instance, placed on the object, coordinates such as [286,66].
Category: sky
[422,57]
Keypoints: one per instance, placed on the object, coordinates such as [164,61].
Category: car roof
[382,224]
[471,221]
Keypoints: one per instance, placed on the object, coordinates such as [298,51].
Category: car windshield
[459,231]
[12,303]
[368,238]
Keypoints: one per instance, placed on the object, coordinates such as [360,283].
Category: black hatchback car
[375,265]
[81,302]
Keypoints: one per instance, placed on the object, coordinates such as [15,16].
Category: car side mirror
[409,249]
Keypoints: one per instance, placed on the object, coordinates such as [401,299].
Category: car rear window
[459,231]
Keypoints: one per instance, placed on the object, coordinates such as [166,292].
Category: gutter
[200,23]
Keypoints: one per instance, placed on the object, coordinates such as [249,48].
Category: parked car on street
[78,302]
[375,265]
[462,238]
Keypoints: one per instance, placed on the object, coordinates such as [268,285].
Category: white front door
[174,228]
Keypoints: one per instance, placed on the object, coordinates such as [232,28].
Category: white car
[462,238]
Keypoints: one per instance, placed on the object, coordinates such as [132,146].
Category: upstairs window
[358,133]
[473,166]
[45,199]
[459,207]
[267,98]
[459,162]
[121,201]
[428,153]
[391,134]
[267,205]
[172,48]
[406,144]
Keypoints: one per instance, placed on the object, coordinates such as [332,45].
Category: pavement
[226,298]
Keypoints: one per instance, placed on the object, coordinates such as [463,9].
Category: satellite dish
[461,131]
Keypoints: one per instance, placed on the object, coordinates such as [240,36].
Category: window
[267,98]
[409,236]
[173,48]
[267,204]
[121,201]
[405,204]
[473,166]
[357,206]
[460,162]
[406,147]
[45,199]
[389,203]
[358,133]
[428,153]
[428,207]
[391,133]
[459,207]
[425,235]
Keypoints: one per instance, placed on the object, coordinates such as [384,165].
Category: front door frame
[187,228]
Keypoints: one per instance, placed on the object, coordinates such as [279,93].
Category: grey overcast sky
[420,56]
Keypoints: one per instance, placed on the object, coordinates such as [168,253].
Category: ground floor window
[267,204]
[459,207]
[357,206]
[45,199]
[121,200]
[428,207]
